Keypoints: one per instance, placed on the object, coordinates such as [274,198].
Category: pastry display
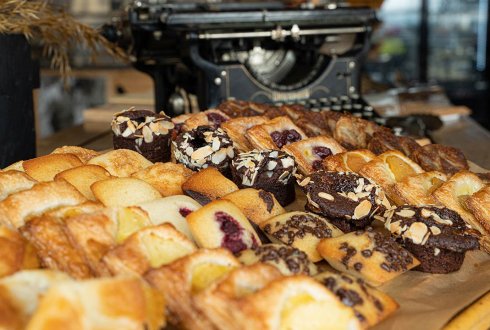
[372,256]
[207,185]
[82,153]
[417,189]
[202,147]
[222,224]
[270,170]
[212,117]
[287,259]
[121,162]
[478,204]
[346,199]
[13,181]
[436,157]
[437,237]
[82,178]
[235,128]
[350,161]
[143,131]
[309,153]
[167,178]
[274,134]
[45,168]
[123,191]
[301,230]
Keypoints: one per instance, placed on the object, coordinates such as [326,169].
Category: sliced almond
[147,134]
[436,251]
[353,196]
[218,157]
[305,181]
[362,210]
[406,213]
[326,196]
[127,132]
[435,230]
[396,228]
[417,232]
[202,153]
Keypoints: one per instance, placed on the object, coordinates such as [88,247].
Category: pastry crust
[350,161]
[15,253]
[207,185]
[309,153]
[45,168]
[121,162]
[17,208]
[205,118]
[259,136]
[354,133]
[167,178]
[436,157]
[13,181]
[17,166]
[417,189]
[238,108]
[236,127]
[383,141]
[82,153]
[478,205]
[119,192]
[82,177]
[148,248]
[184,278]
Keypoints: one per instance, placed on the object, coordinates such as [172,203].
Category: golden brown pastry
[106,303]
[350,161]
[313,124]
[274,134]
[369,255]
[13,181]
[167,178]
[479,205]
[436,157]
[417,189]
[184,278]
[309,153]
[17,166]
[207,185]
[82,177]
[354,133]
[148,248]
[45,168]
[212,117]
[82,153]
[302,230]
[16,209]
[236,127]
[383,141]
[370,305]
[123,191]
[121,162]
[15,253]
[238,108]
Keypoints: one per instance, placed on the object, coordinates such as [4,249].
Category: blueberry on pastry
[350,161]
[237,126]
[270,170]
[367,254]
[370,305]
[202,147]
[222,224]
[167,178]
[143,131]
[287,259]
[207,185]
[212,117]
[301,230]
[347,199]
[309,153]
[274,134]
[437,237]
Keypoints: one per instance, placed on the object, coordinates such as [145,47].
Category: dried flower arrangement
[55,29]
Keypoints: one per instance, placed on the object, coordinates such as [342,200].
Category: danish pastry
[15,253]
[313,124]
[236,127]
[436,157]
[478,204]
[207,185]
[82,153]
[384,141]
[13,181]
[274,134]
[45,168]
[417,189]
[222,224]
[212,117]
[121,162]
[301,230]
[350,161]
[368,254]
[237,108]
[354,133]
[309,153]
[123,191]
[82,177]
[167,178]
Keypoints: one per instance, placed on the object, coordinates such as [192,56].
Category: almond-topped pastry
[417,189]
[143,131]
[270,170]
[437,237]
[167,178]
[383,141]
[275,134]
[16,253]
[186,277]
[203,147]
[478,205]
[212,117]
[301,230]
[236,127]
[121,162]
[82,153]
[222,224]
[367,254]
[346,199]
[45,168]
[123,191]
[350,161]
[370,305]
[13,181]
[207,185]
[436,157]
[82,178]
[309,153]
[287,259]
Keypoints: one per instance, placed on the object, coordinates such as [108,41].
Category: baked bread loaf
[167,178]
[45,168]
[437,237]
[212,117]
[350,161]
[16,254]
[309,153]
[207,185]
[301,230]
[13,181]
[287,259]
[82,177]
[186,277]
[222,224]
[82,153]
[478,205]
[121,162]
[274,134]
[347,199]
[436,157]
[417,189]
[235,129]
[367,254]
[148,248]
[119,192]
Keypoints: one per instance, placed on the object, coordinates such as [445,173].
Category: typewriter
[263,52]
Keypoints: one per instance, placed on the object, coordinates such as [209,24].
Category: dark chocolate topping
[268,199]
[296,260]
